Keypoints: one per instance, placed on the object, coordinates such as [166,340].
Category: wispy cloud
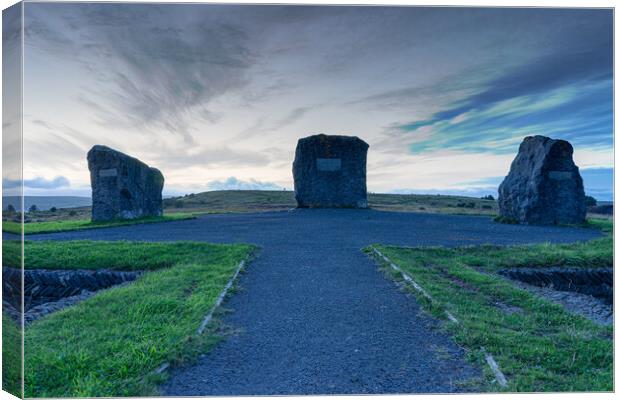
[233,183]
[561,89]
[38,183]
[217,157]
[292,117]
[580,113]
[155,71]
[566,92]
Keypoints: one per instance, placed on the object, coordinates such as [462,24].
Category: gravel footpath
[314,314]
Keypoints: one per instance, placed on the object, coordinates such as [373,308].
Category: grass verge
[11,356]
[117,255]
[109,344]
[538,345]
[79,224]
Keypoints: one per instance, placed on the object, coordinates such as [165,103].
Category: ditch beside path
[314,315]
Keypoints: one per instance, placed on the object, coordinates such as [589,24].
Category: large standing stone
[330,171]
[123,187]
[544,186]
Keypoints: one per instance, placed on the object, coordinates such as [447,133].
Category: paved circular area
[314,314]
[335,228]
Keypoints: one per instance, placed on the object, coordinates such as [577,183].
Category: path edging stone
[209,316]
[499,376]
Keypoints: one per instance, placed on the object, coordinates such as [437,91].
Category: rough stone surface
[595,309]
[330,172]
[47,291]
[544,186]
[123,187]
[597,282]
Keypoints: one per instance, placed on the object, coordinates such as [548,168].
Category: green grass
[117,255]
[539,348]
[11,356]
[79,224]
[109,344]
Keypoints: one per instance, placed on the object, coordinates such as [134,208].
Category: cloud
[158,66]
[261,126]
[291,117]
[581,113]
[599,182]
[233,183]
[588,59]
[11,29]
[37,183]
[212,157]
[562,90]
[444,96]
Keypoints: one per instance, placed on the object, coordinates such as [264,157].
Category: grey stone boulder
[329,171]
[544,186]
[123,187]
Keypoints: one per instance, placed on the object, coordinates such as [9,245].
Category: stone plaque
[107,172]
[328,164]
[560,175]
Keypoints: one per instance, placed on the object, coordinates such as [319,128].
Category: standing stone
[544,186]
[123,187]
[330,171]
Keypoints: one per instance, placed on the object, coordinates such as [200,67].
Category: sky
[216,96]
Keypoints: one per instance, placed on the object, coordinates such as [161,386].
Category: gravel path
[315,316]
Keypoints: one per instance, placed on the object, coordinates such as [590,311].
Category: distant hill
[46,202]
[272,200]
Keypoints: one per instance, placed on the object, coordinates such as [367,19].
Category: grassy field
[539,346]
[109,344]
[263,200]
[56,225]
[235,201]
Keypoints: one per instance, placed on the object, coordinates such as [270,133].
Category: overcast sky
[217,96]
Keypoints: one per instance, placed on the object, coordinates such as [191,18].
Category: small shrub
[17,217]
[488,197]
[53,209]
[33,208]
[590,201]
[505,220]
[72,213]
[10,209]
